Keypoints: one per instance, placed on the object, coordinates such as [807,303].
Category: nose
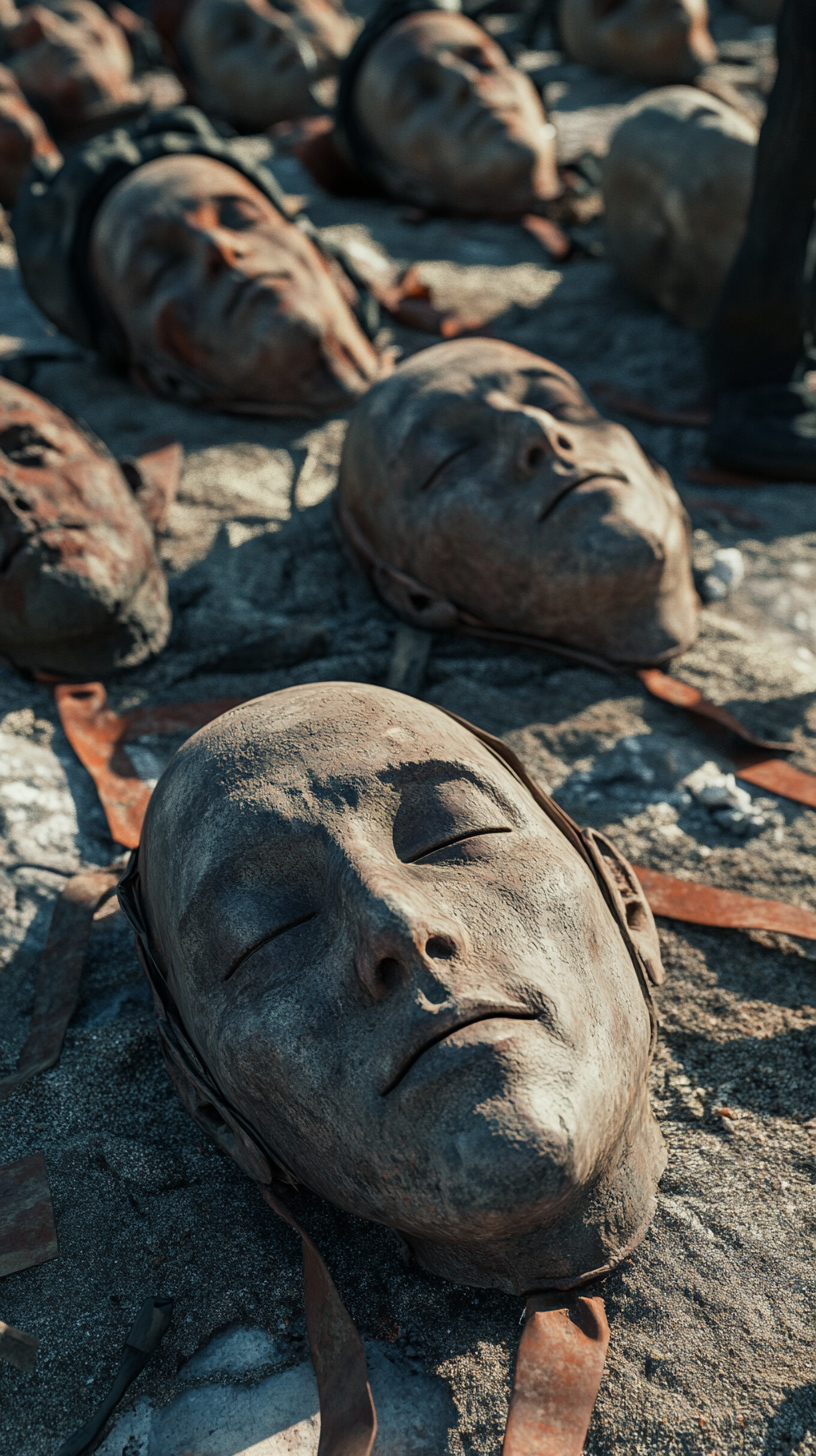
[541,437]
[399,940]
[220,250]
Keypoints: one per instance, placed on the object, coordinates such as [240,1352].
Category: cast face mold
[222,300]
[405,977]
[483,473]
[72,60]
[451,124]
[652,40]
[82,593]
[256,63]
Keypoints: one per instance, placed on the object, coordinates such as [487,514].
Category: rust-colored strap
[97,735]
[777,776]
[28,1235]
[559,1366]
[59,974]
[703,905]
[638,409]
[681,695]
[348,1420]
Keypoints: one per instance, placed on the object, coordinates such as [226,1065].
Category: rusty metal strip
[59,974]
[18,1348]
[703,905]
[143,1339]
[348,1419]
[778,777]
[712,475]
[559,1367]
[681,695]
[638,409]
[27,1232]
[97,736]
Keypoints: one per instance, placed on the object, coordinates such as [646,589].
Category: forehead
[170,186]
[430,31]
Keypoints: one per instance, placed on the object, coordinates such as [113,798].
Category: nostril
[439,948]
[535,455]
[388,973]
[564,443]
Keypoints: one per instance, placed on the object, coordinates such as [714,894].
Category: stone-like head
[677,184]
[255,63]
[484,486]
[72,61]
[410,980]
[651,40]
[162,246]
[23,139]
[434,112]
[82,593]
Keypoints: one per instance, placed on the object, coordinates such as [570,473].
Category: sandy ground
[713,1319]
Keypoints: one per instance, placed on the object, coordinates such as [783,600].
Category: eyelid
[265,939]
[437,470]
[458,839]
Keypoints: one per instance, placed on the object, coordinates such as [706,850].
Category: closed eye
[265,939]
[456,839]
[437,470]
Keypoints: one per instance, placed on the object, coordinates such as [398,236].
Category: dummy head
[438,116]
[220,298]
[651,40]
[677,185]
[255,63]
[72,60]
[404,977]
[23,138]
[81,590]
[482,481]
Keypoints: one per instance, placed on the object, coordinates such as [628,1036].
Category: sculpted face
[81,589]
[254,63]
[652,40]
[23,138]
[405,977]
[72,60]
[451,124]
[484,473]
[222,300]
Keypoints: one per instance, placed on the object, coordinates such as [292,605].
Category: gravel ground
[713,1319]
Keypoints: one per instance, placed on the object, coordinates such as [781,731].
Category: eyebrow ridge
[437,470]
[265,939]
[457,839]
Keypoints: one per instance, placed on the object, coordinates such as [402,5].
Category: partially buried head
[255,63]
[405,978]
[72,60]
[448,122]
[483,474]
[653,40]
[220,298]
[82,592]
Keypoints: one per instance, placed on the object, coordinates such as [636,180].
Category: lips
[425,1041]
[570,485]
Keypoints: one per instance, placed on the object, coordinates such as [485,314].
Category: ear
[633,906]
[154,479]
[214,1119]
[418,605]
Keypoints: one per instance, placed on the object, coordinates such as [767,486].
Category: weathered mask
[481,490]
[72,61]
[23,138]
[82,593]
[410,979]
[255,63]
[432,110]
[175,258]
[652,40]
[677,185]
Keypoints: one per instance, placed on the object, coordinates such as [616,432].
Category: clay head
[255,63]
[407,977]
[482,490]
[72,61]
[434,112]
[23,137]
[82,593]
[651,40]
[677,185]
[222,300]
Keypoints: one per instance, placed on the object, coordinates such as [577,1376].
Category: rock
[677,185]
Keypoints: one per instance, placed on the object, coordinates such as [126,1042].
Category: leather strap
[559,1366]
[679,694]
[704,905]
[60,973]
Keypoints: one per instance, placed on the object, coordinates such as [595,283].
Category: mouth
[504,1013]
[570,485]
[245,289]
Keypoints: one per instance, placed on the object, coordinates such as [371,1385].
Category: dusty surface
[713,1319]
